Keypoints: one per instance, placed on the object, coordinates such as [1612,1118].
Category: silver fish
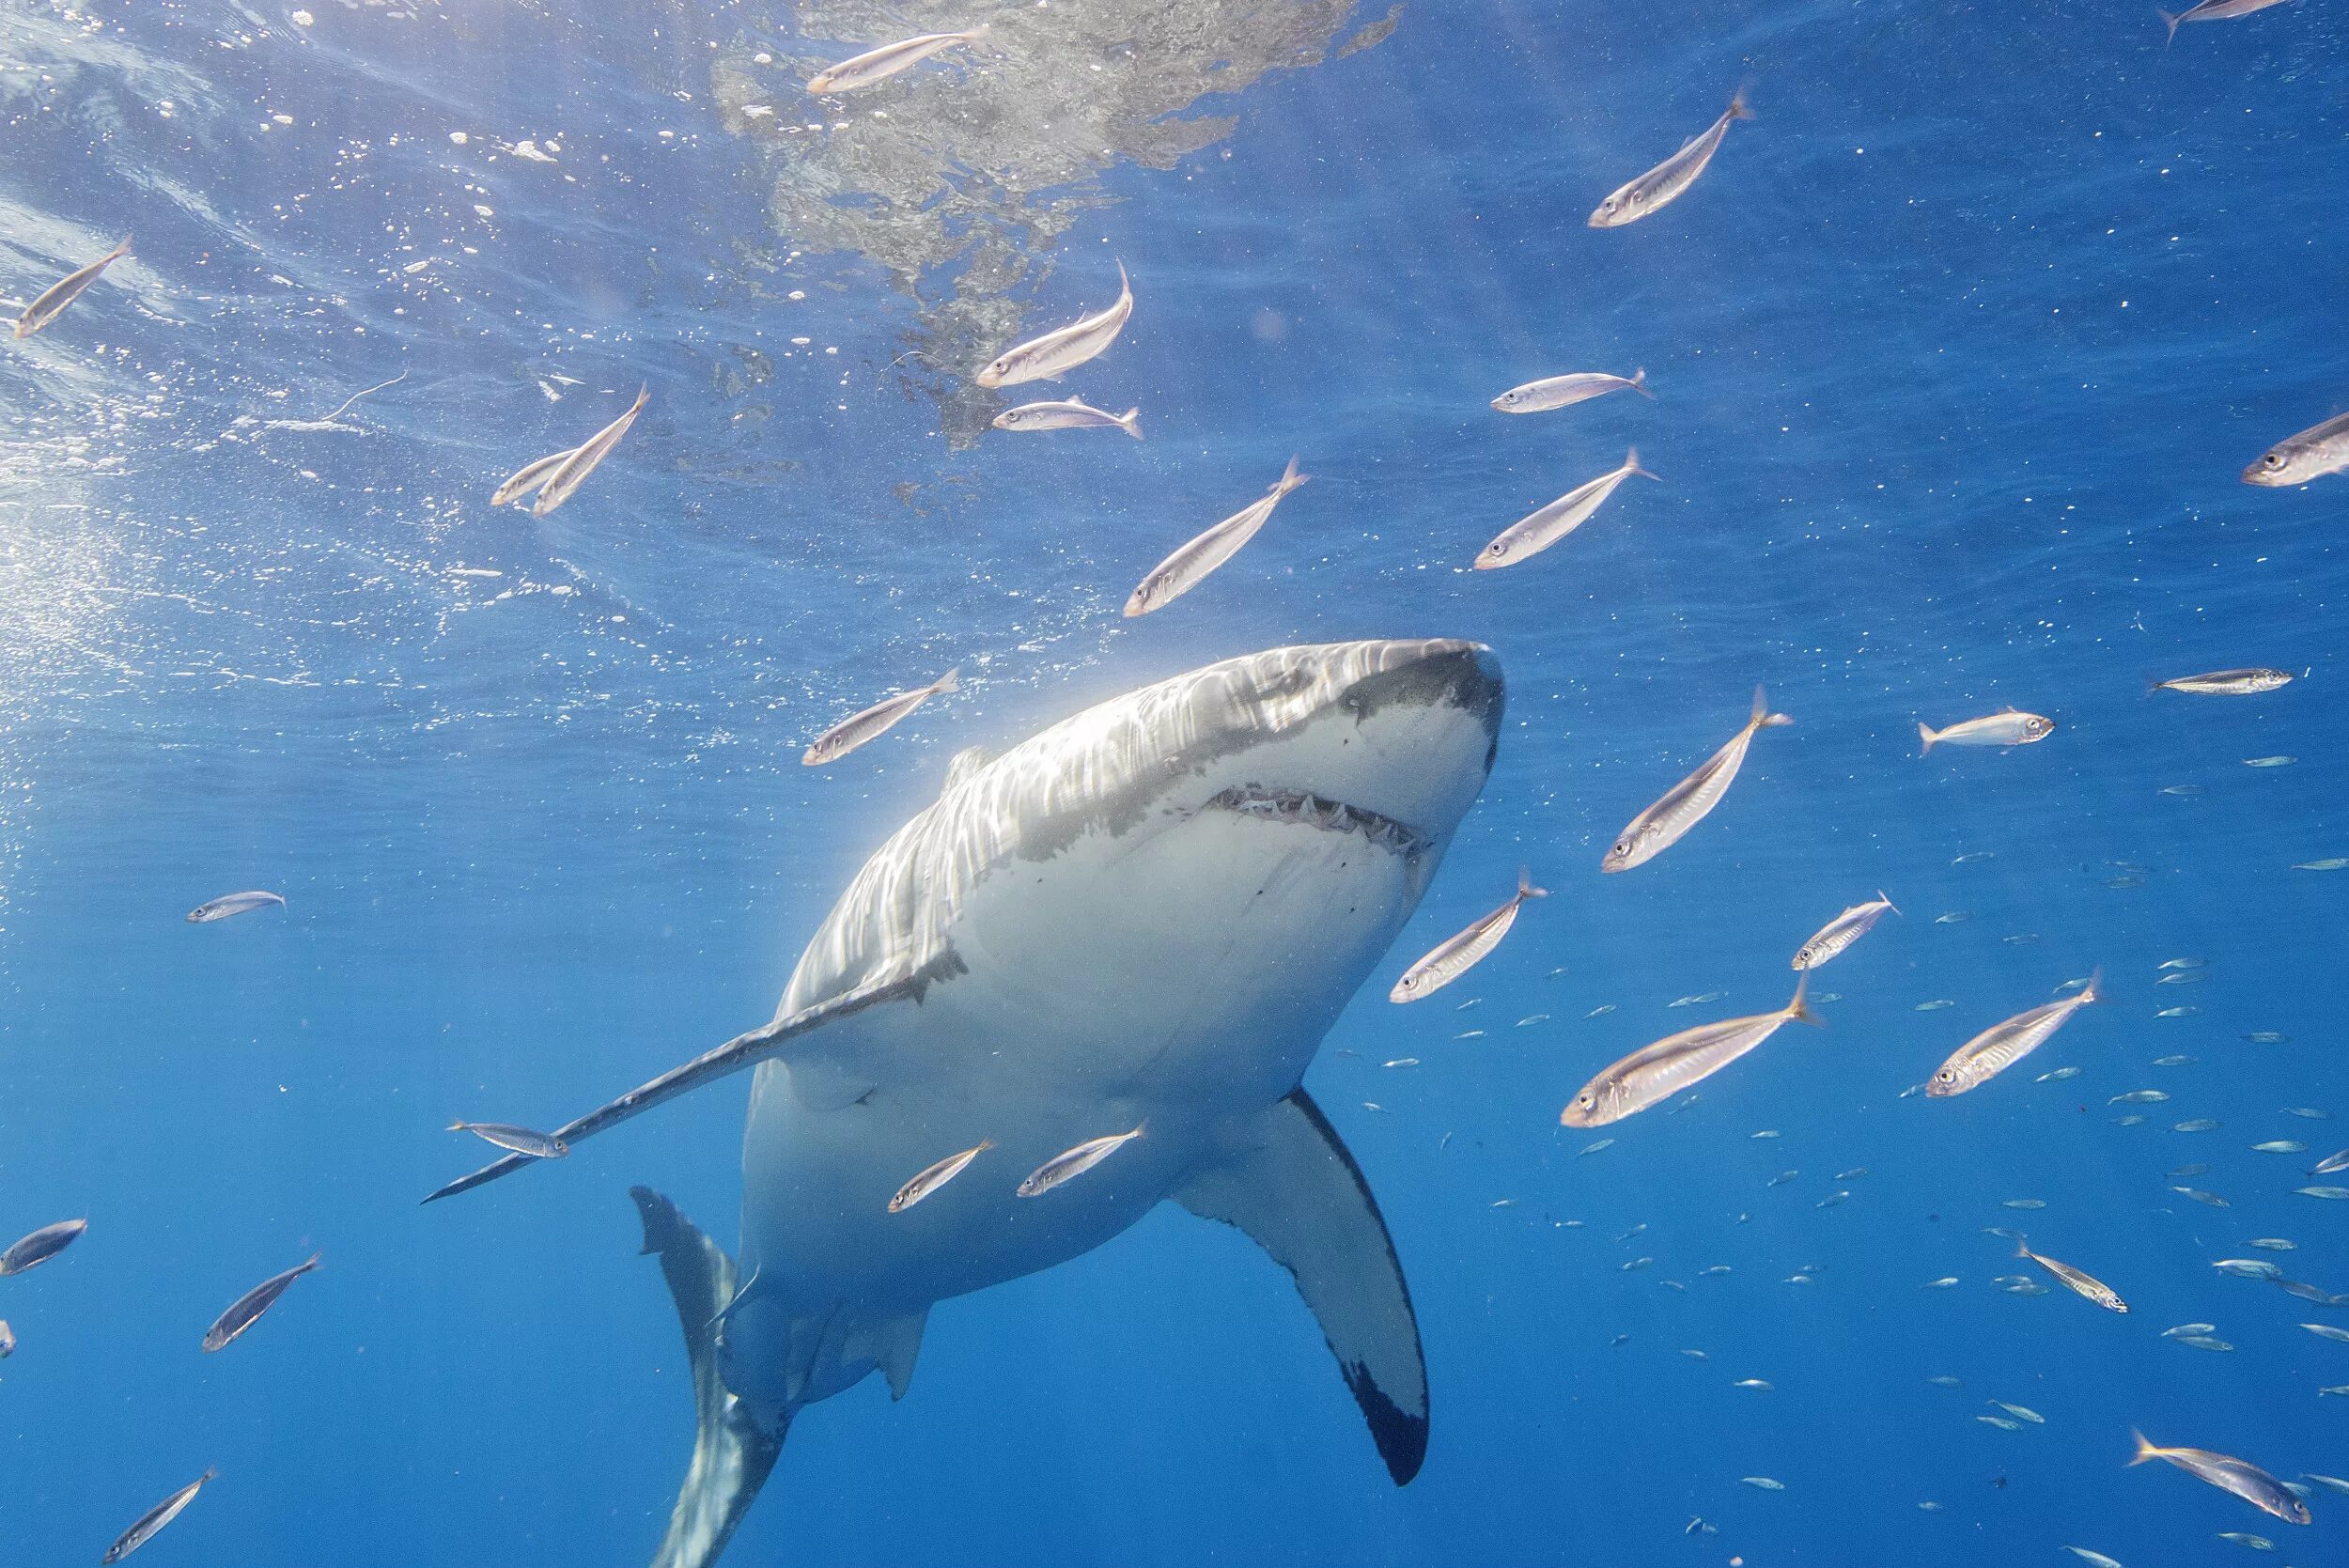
[1455,956]
[2139,1096]
[1538,530]
[2248,1268]
[2327,1331]
[530,476]
[1840,932]
[1063,348]
[2227,683]
[2021,1412]
[2330,1484]
[1069,415]
[1183,571]
[573,471]
[875,65]
[2335,1193]
[1657,1071]
[2203,1341]
[2094,1560]
[38,1247]
[2008,727]
[936,1177]
[248,1308]
[1076,1162]
[2208,1200]
[62,293]
[1688,803]
[2002,1045]
[2319,450]
[233,904]
[2185,1329]
[2080,1284]
[8,1340]
[1561,392]
[1763,1482]
[855,730]
[154,1519]
[2213,10]
[2244,1480]
[520,1140]
[1667,182]
[2330,1163]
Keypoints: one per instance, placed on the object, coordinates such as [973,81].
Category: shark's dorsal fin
[731,1455]
[1298,1194]
[965,763]
[743,1051]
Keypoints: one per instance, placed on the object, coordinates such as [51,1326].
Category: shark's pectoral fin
[1297,1192]
[892,1346]
[731,1455]
[743,1051]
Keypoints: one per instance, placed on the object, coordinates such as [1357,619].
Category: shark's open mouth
[1332,816]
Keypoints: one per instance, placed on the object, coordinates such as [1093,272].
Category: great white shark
[1146,915]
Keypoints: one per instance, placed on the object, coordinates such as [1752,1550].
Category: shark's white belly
[1180,980]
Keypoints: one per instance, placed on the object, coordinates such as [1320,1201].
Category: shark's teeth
[1335,817]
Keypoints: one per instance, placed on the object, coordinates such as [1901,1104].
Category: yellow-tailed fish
[2319,450]
[2002,1045]
[936,1176]
[2080,1284]
[1688,803]
[2212,10]
[1840,932]
[1455,956]
[65,291]
[877,65]
[2227,683]
[1538,530]
[1188,567]
[855,730]
[1063,348]
[2008,727]
[1076,1162]
[1670,179]
[528,477]
[573,472]
[1678,1062]
[1561,392]
[2228,1474]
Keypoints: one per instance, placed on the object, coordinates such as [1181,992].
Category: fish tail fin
[2153,684]
[1631,464]
[1924,732]
[1762,718]
[458,1127]
[1890,904]
[313,1260]
[978,32]
[1130,422]
[2173,18]
[985,1144]
[1291,480]
[2022,1247]
[644,395]
[732,1454]
[2144,1450]
[1124,287]
[1638,383]
[1798,1010]
[2091,991]
[1525,884]
[949,681]
[119,250]
[1738,108]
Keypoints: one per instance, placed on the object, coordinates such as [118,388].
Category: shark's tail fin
[731,1455]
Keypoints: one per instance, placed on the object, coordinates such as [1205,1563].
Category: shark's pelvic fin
[731,1455]
[743,1051]
[1297,1192]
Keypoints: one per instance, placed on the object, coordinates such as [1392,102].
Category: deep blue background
[1958,349]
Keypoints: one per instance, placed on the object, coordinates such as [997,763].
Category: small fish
[1071,415]
[1943,1283]
[2187,1171]
[8,1340]
[2183,964]
[2331,862]
[1688,803]
[154,1519]
[1190,564]
[1767,1132]
[529,477]
[935,1176]
[2279,1146]
[1063,348]
[2267,1037]
[2176,1061]
[855,730]
[1076,1162]
[2210,1200]
[1559,392]
[2273,1244]
[2000,1046]
[1853,1175]
[2330,1484]
[2139,1096]
[1934,1006]
[520,1140]
[65,290]
[1594,1148]
[2246,1268]
[2057,1075]
[572,472]
[2184,977]
[2330,1163]
[2305,1291]
[2000,1422]
[1956,917]
[2197,1124]
[2319,450]
[2007,727]
[1832,1199]
[2021,1412]
[2244,1480]
[247,1308]
[2327,1331]
[1531,1019]
[2023,1203]
[1693,1354]
[2227,683]
[2309,1112]
[2243,1538]
[1455,956]
[2203,1341]
[1657,1072]
[1697,999]
[1763,1482]
[2132,1120]
[2094,1560]
[2338,1390]
[1751,1383]
[1600,1011]
[43,1245]
[1840,932]
[2185,1011]
[1782,1178]
[234,904]
[1696,1525]
[876,65]
[2185,1329]
[2333,1192]
[2277,761]
[2185,789]
[1670,179]
[1717,1269]
[1538,530]
[2081,1284]
[1401,1062]
[1636,1264]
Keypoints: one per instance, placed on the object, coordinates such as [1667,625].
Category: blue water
[1957,348]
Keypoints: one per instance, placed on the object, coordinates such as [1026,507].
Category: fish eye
[1945,1076]
[1623,846]
[1411,982]
[1609,203]
[1496,548]
[2273,459]
[1586,1099]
